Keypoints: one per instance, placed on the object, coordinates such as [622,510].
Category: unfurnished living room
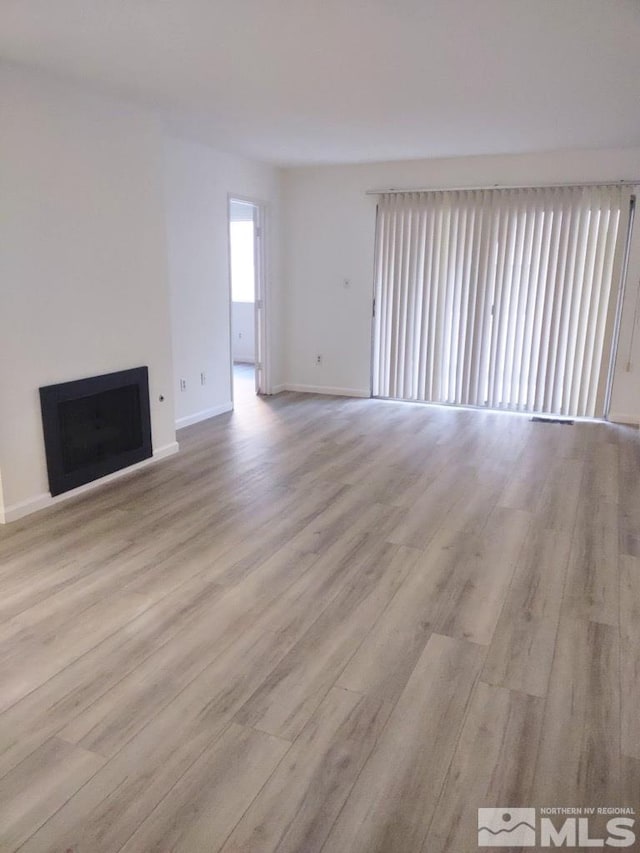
[319,409]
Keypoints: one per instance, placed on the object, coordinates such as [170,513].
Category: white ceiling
[305,81]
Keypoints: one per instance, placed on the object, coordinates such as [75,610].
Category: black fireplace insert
[93,427]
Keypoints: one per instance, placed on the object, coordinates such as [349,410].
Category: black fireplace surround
[93,427]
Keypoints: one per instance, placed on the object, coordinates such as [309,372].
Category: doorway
[502,298]
[246,258]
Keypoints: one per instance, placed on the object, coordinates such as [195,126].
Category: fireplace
[93,427]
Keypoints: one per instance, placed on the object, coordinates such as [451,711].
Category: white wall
[243,330]
[329,224]
[83,278]
[198,183]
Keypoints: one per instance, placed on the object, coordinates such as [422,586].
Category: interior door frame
[262,363]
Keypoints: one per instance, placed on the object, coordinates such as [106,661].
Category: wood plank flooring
[326,625]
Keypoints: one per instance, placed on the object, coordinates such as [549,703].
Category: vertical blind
[501,298]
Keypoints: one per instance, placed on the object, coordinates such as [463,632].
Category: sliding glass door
[499,298]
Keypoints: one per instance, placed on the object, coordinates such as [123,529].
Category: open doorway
[247,320]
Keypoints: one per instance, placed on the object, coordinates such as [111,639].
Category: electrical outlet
[240,335]
[203,378]
[318,359]
[347,283]
[183,384]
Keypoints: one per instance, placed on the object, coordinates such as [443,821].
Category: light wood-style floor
[327,624]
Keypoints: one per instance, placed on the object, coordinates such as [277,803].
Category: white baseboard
[15,511]
[161,453]
[278,389]
[629,420]
[19,510]
[328,390]
[204,415]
